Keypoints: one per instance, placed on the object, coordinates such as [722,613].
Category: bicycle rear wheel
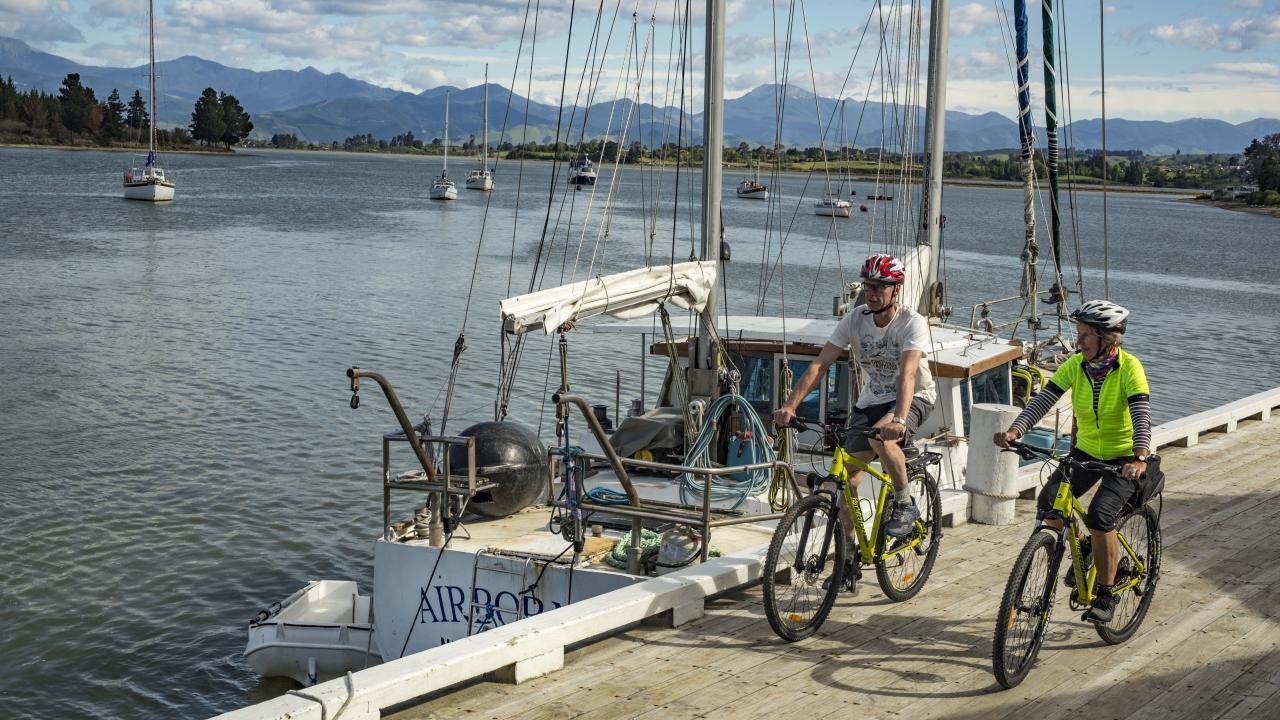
[806,553]
[1141,530]
[903,574]
[1025,608]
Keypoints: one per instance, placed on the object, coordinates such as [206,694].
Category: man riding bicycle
[1110,401]
[889,342]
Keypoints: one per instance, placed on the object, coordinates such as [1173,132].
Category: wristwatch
[900,421]
[1141,458]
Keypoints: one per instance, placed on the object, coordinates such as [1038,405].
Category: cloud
[38,21]
[1111,9]
[972,18]
[1247,3]
[1197,33]
[227,15]
[1251,69]
[1253,32]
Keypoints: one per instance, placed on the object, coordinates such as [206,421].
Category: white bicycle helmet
[1103,315]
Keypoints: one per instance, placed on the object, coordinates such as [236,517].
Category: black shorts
[870,415]
[1108,502]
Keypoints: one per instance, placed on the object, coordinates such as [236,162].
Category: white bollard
[992,475]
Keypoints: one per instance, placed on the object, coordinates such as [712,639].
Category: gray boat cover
[660,428]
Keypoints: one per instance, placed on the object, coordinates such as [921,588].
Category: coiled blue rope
[726,488]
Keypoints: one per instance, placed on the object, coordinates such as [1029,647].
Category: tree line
[76,116]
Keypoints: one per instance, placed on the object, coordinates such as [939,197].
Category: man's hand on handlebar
[784,417]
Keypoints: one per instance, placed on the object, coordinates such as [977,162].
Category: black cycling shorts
[872,414]
[1108,502]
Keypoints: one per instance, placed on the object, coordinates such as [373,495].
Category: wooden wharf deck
[1207,650]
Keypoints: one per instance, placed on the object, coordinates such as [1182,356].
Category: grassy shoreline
[183,150]
[1235,205]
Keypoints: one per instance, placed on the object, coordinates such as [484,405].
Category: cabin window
[811,406]
[988,386]
[757,383]
[838,392]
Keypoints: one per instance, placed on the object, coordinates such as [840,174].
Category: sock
[850,546]
[902,495]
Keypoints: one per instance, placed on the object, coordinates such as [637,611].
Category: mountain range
[325,107]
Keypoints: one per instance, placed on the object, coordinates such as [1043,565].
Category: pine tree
[113,120]
[77,104]
[207,124]
[136,116]
[236,123]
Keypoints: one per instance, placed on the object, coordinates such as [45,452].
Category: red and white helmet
[885,269]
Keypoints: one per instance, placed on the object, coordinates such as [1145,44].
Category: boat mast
[1031,249]
[151,74]
[934,127]
[1051,137]
[702,375]
[445,170]
[484,137]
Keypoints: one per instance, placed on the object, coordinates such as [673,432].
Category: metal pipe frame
[411,435]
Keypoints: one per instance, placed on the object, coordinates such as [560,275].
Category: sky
[1165,59]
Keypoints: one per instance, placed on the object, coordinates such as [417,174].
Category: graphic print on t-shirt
[879,358]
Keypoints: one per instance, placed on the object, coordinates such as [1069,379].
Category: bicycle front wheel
[901,567]
[1141,530]
[803,569]
[1025,609]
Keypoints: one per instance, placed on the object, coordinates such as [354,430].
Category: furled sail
[625,295]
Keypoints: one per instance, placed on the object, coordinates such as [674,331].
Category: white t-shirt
[879,352]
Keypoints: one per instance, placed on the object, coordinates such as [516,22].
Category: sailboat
[482,177]
[442,188]
[751,188]
[432,586]
[149,182]
[832,204]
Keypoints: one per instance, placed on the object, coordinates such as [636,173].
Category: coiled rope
[727,487]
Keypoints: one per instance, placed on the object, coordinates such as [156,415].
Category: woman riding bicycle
[1112,424]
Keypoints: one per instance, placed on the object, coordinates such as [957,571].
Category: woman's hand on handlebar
[1002,439]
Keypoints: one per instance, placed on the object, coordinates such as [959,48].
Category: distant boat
[831,206]
[751,188]
[442,188]
[879,197]
[482,177]
[149,181]
[581,172]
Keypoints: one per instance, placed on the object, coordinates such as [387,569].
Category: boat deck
[1208,648]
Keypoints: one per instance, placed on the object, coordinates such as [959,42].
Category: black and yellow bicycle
[805,565]
[1029,595]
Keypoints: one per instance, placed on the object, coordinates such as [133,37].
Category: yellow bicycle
[804,568]
[1028,597]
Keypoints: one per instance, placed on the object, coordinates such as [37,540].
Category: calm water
[177,446]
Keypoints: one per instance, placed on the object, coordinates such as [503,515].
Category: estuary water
[176,445]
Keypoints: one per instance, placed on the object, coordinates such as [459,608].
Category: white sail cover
[625,295]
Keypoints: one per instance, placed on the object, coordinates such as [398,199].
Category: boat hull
[149,191]
[444,193]
[828,211]
[754,195]
[480,183]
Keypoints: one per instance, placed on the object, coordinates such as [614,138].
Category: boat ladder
[492,614]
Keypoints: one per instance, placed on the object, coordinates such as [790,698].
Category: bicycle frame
[840,461]
[1069,507]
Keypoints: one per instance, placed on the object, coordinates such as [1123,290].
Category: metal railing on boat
[637,509]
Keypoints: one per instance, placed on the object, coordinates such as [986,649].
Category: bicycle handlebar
[837,432]
[1031,452]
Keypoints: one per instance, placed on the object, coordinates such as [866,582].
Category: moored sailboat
[481,178]
[442,188]
[149,181]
